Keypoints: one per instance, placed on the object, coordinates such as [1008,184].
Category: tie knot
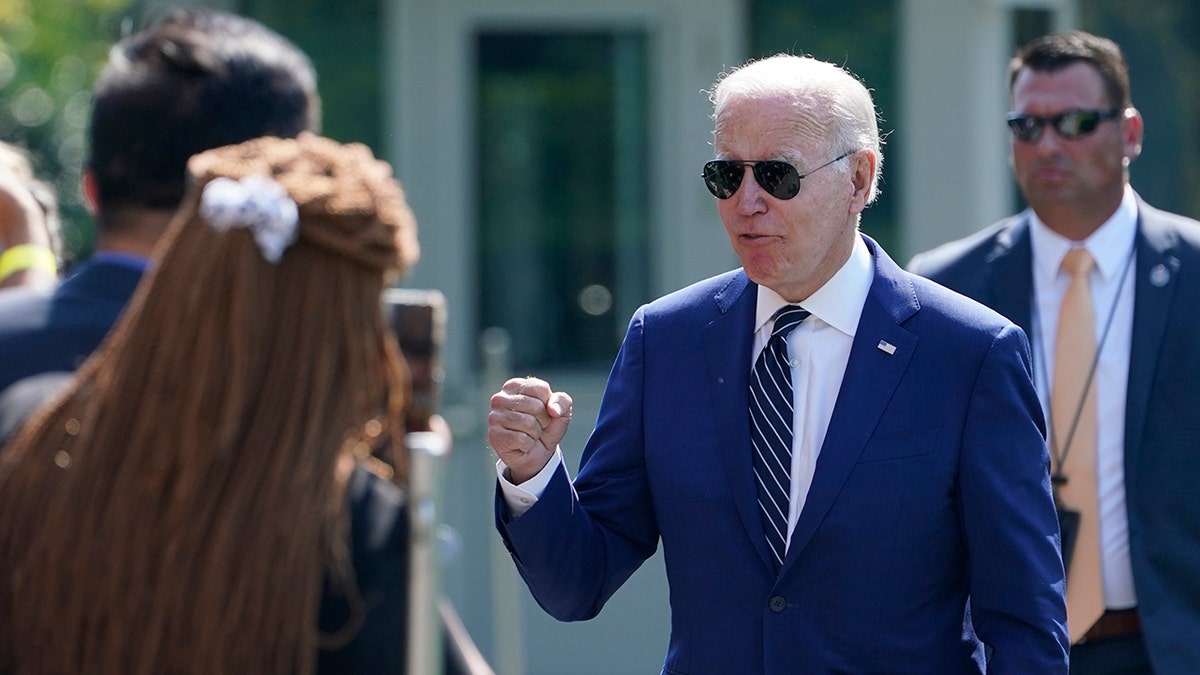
[787,318]
[1078,262]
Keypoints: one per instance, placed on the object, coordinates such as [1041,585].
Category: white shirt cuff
[521,498]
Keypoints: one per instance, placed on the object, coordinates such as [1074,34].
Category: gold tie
[1073,413]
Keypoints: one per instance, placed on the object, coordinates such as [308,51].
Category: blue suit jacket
[1162,409]
[931,488]
[44,330]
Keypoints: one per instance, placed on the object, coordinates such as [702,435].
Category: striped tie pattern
[771,429]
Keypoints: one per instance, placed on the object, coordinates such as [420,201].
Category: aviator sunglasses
[778,178]
[1068,125]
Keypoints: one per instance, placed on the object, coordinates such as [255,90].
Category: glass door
[562,184]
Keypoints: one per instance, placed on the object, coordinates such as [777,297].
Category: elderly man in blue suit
[845,463]
[1136,607]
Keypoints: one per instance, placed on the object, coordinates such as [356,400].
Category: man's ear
[91,195]
[862,177]
[1131,132]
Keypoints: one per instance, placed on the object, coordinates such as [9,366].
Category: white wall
[954,94]
[429,131]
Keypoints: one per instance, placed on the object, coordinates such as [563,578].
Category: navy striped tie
[771,429]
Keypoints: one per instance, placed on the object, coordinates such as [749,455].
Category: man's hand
[526,424]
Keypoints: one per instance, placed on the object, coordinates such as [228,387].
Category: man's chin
[1051,196]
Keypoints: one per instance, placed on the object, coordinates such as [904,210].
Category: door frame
[429,133]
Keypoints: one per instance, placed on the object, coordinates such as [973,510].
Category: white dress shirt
[1112,284]
[819,350]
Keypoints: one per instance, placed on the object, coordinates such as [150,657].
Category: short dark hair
[1053,52]
[199,79]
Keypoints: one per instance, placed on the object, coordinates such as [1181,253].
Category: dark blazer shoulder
[58,330]
[993,266]
[718,292]
[943,306]
[95,294]
[963,256]
[1165,230]
[373,612]
[22,398]
[23,308]
[696,305]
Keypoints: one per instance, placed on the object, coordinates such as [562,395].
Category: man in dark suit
[200,79]
[1075,132]
[869,494]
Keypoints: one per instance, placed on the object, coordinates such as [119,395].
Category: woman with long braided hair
[182,506]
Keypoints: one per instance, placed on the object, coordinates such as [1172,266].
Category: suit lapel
[728,340]
[1009,272]
[870,379]
[1154,288]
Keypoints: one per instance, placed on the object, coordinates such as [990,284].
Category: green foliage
[50,52]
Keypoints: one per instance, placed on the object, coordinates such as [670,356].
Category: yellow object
[26,257]
[1073,428]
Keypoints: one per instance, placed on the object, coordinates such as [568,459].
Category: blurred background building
[552,150]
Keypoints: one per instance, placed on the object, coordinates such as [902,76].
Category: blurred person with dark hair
[199,79]
[30,243]
[193,502]
[1106,287]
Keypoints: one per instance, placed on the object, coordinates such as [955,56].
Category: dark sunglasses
[1068,125]
[780,179]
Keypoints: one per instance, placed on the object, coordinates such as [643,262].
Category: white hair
[817,89]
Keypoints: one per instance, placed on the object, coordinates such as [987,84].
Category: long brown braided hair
[177,509]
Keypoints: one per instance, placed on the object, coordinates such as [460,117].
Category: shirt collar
[838,303]
[1109,244]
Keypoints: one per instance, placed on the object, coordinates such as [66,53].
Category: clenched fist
[526,424]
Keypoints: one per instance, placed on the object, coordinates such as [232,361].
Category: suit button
[777,604]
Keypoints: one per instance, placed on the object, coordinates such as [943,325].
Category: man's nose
[750,194]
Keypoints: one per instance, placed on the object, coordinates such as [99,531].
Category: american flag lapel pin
[886,347]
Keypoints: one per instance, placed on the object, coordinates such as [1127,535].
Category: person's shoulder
[716,293]
[378,541]
[933,303]
[957,329]
[935,297]
[26,330]
[91,289]
[19,400]
[376,511]
[19,305]
[954,321]
[1183,230]
[56,328]
[966,254]
[99,282]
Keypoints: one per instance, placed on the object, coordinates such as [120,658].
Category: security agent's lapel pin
[1159,275]
[886,347]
